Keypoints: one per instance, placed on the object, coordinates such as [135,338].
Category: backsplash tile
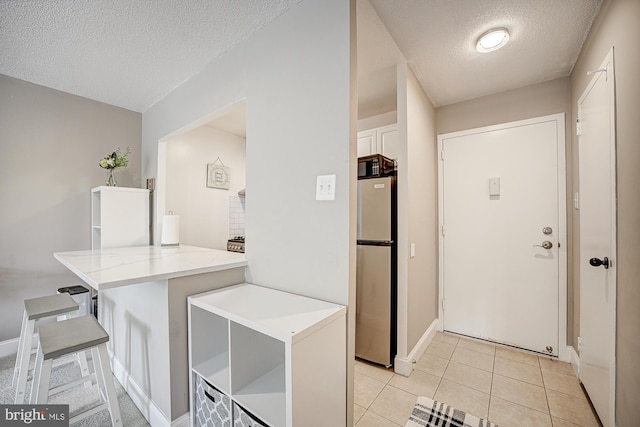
[236,216]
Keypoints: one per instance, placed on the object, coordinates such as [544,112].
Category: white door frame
[563,350]
[608,67]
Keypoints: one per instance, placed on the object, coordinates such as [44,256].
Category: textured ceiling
[131,53]
[438,37]
[128,53]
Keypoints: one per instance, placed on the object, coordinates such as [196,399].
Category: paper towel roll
[170,230]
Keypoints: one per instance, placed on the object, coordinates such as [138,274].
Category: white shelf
[266,396]
[263,347]
[215,371]
[284,316]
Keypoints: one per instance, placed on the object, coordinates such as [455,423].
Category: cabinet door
[366,143]
[388,142]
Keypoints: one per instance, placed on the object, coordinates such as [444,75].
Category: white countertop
[110,268]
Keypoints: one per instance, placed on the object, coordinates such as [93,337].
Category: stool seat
[50,305]
[75,335]
[36,309]
[71,336]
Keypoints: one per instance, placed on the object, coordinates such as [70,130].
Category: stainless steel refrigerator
[376,265]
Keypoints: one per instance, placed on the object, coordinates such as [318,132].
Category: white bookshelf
[119,217]
[262,347]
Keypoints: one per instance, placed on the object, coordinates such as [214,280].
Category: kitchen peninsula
[142,304]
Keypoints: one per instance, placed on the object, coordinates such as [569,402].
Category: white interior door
[596,151]
[501,199]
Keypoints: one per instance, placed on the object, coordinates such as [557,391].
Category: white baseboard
[9,347]
[143,402]
[575,360]
[404,365]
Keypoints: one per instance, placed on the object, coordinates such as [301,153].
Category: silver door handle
[546,244]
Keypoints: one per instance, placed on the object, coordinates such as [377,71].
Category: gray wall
[417,210]
[298,79]
[618,25]
[50,145]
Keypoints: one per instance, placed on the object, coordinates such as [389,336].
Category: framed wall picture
[218,175]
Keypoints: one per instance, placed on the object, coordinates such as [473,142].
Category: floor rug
[431,413]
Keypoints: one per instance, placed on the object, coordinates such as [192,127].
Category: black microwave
[375,165]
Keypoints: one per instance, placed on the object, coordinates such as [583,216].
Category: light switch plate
[326,187]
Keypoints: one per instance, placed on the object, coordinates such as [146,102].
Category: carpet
[431,413]
[78,398]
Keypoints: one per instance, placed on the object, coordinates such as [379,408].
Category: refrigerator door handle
[375,242]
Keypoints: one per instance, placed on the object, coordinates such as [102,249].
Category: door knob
[596,262]
[546,244]
[547,230]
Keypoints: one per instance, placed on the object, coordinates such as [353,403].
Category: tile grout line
[493,373]
[546,395]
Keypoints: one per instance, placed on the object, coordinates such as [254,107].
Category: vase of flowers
[117,159]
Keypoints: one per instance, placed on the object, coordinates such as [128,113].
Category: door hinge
[443,305]
[578,128]
[442,155]
[442,230]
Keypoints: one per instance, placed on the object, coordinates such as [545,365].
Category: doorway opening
[202,178]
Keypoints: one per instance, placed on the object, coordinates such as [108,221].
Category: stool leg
[107,379]
[102,391]
[22,358]
[23,329]
[41,378]
[84,367]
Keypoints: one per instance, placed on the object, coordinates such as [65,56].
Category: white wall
[384,119]
[297,75]
[204,211]
[50,145]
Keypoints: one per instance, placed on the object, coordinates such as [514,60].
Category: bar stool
[71,336]
[36,309]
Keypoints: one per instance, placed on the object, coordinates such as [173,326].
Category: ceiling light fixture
[492,40]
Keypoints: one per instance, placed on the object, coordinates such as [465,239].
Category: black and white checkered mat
[430,413]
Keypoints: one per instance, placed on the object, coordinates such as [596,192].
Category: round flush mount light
[492,40]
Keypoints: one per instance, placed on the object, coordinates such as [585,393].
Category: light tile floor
[509,387]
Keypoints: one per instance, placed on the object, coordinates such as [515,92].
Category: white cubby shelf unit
[119,217]
[279,355]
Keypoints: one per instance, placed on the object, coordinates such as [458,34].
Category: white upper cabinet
[382,140]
